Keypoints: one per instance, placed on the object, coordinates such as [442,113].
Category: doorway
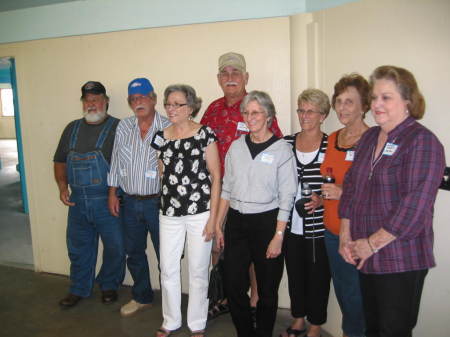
[15,233]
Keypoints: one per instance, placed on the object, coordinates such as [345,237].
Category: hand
[208,231]
[274,248]
[64,196]
[331,191]
[346,251]
[220,242]
[113,205]
[315,202]
[361,250]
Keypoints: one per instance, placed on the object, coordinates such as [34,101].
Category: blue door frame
[23,184]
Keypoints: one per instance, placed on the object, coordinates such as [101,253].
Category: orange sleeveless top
[335,158]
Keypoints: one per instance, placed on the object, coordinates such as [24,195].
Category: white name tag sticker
[350,155]
[159,141]
[150,174]
[389,149]
[267,158]
[242,127]
[321,157]
[123,172]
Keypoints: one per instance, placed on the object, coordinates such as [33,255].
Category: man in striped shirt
[134,169]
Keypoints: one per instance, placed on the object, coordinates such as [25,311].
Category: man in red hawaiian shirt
[224,117]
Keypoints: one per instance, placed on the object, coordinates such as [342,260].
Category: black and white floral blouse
[186,184]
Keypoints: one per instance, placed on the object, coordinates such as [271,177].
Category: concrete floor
[29,308]
[15,236]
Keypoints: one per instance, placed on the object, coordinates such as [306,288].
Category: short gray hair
[264,100]
[192,100]
[316,97]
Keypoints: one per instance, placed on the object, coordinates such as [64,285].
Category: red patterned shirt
[228,125]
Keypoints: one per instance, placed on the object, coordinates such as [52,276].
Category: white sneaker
[131,307]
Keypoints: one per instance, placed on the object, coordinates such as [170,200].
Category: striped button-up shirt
[134,163]
[395,192]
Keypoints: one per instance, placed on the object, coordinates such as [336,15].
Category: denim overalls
[90,218]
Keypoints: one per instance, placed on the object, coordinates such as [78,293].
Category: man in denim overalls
[82,162]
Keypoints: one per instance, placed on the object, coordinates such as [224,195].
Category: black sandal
[217,310]
[294,332]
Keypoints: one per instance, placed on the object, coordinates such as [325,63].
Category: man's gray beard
[94,118]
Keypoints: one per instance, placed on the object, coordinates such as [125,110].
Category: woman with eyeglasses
[304,248]
[351,102]
[258,191]
[190,169]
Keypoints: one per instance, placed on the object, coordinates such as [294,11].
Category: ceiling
[9,5]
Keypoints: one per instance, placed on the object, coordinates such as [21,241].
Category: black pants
[308,277]
[391,302]
[247,237]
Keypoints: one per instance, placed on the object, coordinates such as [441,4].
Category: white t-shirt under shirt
[297,221]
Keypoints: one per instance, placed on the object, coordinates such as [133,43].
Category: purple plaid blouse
[398,197]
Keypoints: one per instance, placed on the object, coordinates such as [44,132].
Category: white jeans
[172,233]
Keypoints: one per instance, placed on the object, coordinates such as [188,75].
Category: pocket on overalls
[86,171]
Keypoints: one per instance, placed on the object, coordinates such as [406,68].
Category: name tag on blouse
[159,141]
[349,155]
[242,127]
[267,158]
[389,149]
[150,174]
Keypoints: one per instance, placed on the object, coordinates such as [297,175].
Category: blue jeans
[140,217]
[347,288]
[87,220]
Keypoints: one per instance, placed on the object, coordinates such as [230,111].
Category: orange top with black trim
[335,158]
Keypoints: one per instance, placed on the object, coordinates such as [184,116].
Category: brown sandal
[161,332]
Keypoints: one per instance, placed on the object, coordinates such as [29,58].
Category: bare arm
[61,181]
[113,201]
[274,248]
[213,164]
[224,205]
[345,242]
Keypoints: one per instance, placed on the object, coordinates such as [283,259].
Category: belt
[143,197]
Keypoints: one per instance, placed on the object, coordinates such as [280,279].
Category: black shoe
[70,301]
[109,296]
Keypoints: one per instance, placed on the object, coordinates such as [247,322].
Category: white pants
[172,233]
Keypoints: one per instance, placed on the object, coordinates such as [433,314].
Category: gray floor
[29,309]
[15,237]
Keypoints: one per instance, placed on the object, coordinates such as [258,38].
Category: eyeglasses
[134,99]
[252,113]
[175,106]
[306,112]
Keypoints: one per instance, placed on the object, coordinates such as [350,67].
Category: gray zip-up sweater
[258,185]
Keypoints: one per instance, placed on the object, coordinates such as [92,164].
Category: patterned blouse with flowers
[186,183]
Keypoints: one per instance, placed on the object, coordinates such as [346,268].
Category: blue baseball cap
[140,86]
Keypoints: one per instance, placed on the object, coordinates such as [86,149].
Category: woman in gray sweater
[258,191]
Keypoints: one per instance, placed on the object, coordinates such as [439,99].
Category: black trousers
[391,302]
[247,237]
[309,277]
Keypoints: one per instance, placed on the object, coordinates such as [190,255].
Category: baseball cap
[92,87]
[234,60]
[140,86]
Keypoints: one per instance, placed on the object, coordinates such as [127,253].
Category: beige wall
[301,51]
[51,72]
[413,34]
